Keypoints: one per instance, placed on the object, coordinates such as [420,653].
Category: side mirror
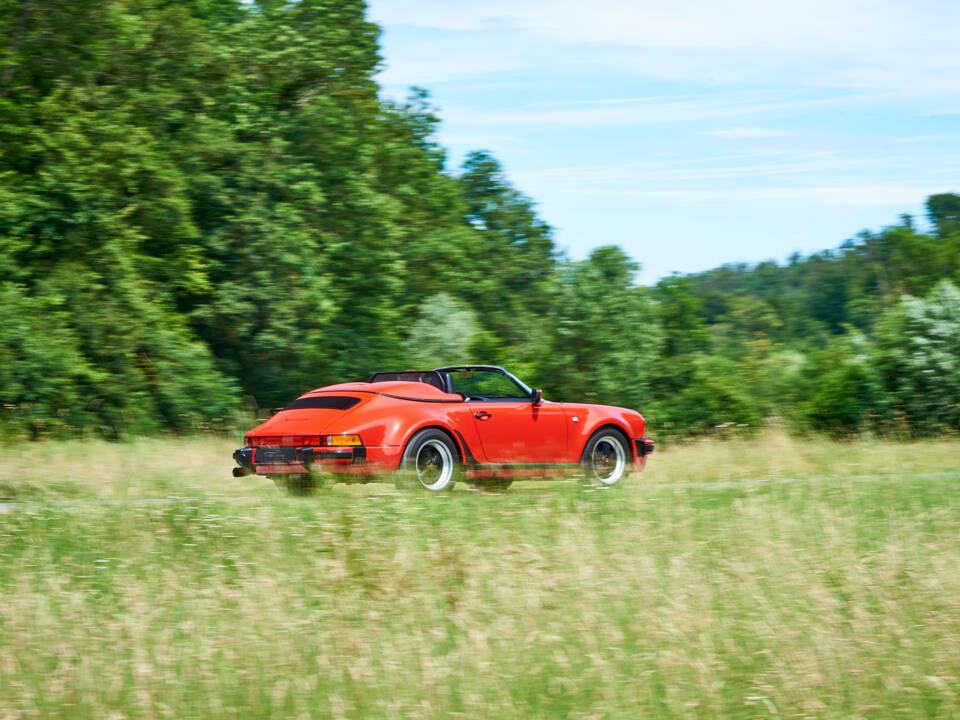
[536,396]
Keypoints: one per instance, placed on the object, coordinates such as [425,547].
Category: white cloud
[616,177]
[654,110]
[762,177]
[806,25]
[930,138]
[747,133]
[404,72]
[876,44]
[475,140]
[439,14]
[855,195]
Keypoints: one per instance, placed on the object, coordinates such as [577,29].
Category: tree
[919,358]
[944,213]
[716,395]
[679,314]
[838,389]
[442,335]
[604,333]
[511,265]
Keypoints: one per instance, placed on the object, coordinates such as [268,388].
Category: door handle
[481,415]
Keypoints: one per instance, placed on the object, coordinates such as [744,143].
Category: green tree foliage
[42,369]
[944,213]
[604,333]
[680,316]
[95,223]
[209,196]
[838,388]
[510,272]
[716,396]
[919,358]
[443,335]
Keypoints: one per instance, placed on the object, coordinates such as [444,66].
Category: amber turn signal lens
[345,440]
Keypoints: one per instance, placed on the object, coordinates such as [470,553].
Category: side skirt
[518,470]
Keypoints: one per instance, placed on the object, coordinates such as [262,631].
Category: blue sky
[699,132]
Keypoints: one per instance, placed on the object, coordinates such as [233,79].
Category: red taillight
[284,440]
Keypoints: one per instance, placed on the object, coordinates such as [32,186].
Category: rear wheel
[606,458]
[431,461]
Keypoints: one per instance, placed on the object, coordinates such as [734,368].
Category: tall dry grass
[200,466]
[837,596]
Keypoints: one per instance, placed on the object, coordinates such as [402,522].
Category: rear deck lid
[310,414]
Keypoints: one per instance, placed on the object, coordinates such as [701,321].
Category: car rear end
[293,441]
[295,454]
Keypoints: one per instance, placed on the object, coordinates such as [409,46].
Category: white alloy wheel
[605,460]
[430,461]
[434,465]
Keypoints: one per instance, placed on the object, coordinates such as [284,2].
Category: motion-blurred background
[208,207]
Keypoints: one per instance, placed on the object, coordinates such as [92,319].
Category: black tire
[430,461]
[606,458]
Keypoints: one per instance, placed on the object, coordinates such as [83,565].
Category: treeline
[206,207]
[865,337]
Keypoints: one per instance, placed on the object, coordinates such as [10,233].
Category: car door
[517,431]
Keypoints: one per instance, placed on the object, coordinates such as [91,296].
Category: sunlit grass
[201,466]
[779,455]
[836,596]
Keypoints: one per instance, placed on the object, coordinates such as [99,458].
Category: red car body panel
[515,438]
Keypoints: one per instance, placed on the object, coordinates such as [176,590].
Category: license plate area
[275,455]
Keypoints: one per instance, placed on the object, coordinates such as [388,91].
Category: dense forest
[206,207]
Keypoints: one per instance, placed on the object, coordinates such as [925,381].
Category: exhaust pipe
[241,472]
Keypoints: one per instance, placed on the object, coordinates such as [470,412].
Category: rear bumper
[357,460]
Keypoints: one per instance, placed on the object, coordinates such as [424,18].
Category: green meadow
[765,577]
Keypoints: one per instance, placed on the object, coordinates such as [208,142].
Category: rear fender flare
[447,430]
[603,425]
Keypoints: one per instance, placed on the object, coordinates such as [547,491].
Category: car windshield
[483,384]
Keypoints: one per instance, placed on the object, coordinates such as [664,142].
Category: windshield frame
[527,392]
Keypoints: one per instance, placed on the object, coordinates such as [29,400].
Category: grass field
[771,577]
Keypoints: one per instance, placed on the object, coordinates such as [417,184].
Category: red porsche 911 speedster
[477,423]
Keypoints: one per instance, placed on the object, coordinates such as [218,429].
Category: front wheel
[606,457]
[430,461]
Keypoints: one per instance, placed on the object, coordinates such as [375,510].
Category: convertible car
[432,428]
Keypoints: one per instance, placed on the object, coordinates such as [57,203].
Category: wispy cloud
[476,140]
[747,133]
[748,166]
[858,195]
[406,72]
[929,138]
[863,44]
[644,111]
[756,177]
[835,114]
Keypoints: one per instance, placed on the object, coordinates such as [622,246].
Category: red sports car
[473,422]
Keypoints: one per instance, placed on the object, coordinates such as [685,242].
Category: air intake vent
[327,402]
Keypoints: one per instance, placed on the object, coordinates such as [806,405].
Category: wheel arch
[433,425]
[609,425]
